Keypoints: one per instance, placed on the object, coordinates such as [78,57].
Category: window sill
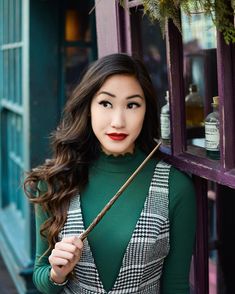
[194,161]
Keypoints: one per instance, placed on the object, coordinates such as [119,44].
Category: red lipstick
[117,136]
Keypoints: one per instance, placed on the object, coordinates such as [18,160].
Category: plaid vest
[142,263]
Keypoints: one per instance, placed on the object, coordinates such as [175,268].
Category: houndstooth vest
[142,263]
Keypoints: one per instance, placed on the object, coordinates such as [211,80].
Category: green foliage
[221,12]
[223,21]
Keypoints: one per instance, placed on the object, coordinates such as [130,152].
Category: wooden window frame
[221,171]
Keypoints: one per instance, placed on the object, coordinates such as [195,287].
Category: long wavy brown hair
[75,146]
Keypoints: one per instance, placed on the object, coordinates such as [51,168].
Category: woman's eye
[105,104]
[133,105]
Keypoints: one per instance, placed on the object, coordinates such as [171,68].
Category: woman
[144,243]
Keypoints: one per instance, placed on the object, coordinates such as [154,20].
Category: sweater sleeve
[42,266]
[182,214]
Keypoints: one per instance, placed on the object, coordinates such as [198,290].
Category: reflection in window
[199,31]
[148,43]
[200,73]
[77,60]
[79,42]
[77,21]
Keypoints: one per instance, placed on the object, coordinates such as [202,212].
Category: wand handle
[116,196]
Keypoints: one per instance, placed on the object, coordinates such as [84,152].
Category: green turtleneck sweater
[109,240]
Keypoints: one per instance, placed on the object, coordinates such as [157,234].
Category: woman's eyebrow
[107,93]
[134,96]
[114,96]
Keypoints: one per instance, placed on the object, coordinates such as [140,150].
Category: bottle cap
[216,100]
[193,87]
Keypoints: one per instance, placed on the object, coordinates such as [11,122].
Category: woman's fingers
[58,261]
[64,257]
[65,246]
[63,254]
[69,244]
[73,240]
[65,251]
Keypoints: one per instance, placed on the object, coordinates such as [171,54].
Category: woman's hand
[64,257]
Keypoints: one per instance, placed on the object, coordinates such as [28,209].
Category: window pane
[77,20]
[211,222]
[200,74]
[76,60]
[213,237]
[148,43]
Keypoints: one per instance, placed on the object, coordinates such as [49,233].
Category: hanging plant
[220,11]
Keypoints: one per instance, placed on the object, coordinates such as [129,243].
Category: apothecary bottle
[212,135]
[194,108]
[165,121]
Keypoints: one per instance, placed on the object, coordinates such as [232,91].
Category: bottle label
[212,136]
[165,126]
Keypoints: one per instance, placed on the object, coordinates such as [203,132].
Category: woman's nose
[118,119]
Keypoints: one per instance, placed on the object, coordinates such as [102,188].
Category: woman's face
[117,114]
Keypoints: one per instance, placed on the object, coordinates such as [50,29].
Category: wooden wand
[116,196]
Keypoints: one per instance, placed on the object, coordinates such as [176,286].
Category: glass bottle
[165,121]
[212,136]
[194,108]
